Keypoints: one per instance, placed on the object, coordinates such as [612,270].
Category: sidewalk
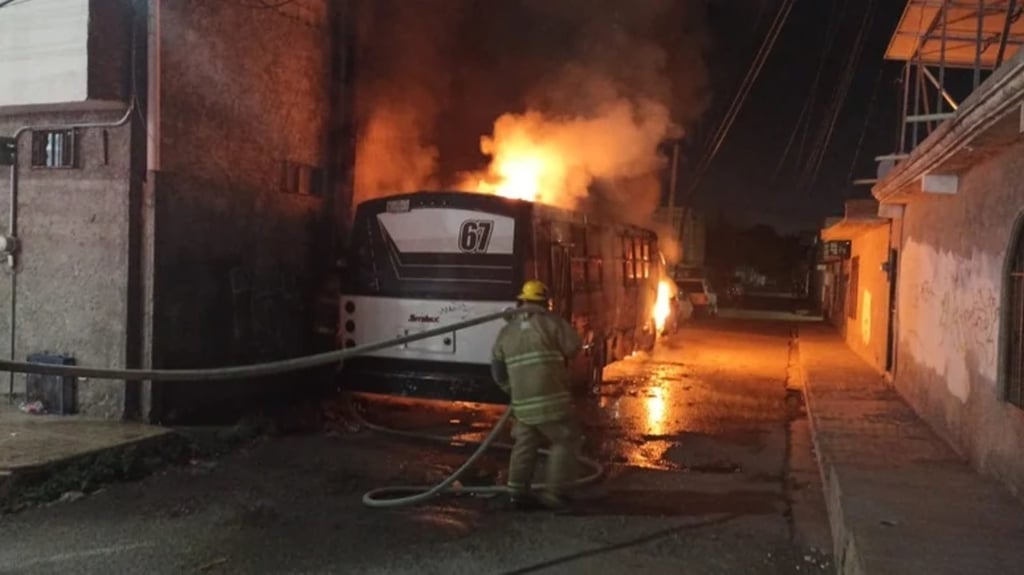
[899,499]
[42,454]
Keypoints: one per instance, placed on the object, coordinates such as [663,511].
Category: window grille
[302,179]
[54,149]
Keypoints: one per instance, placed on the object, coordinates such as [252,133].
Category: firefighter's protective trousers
[564,438]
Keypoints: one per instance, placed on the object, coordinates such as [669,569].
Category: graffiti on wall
[949,313]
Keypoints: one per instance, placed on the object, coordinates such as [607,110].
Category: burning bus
[422,260]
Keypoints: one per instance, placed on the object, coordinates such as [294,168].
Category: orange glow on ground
[655,404]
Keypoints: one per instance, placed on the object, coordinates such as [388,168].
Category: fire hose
[372,498]
[385,497]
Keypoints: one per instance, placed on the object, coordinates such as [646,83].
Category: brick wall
[239,247]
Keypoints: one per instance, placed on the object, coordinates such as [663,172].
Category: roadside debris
[211,564]
[34,408]
[71,496]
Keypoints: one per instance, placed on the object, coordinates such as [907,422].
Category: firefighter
[529,363]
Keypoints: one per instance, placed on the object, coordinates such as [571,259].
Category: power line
[740,91]
[789,142]
[737,104]
[807,111]
[812,96]
[861,37]
[867,122]
[748,81]
[843,91]
[824,133]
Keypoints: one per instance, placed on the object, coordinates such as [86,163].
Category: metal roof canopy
[922,29]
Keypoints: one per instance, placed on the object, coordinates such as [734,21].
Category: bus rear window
[435,252]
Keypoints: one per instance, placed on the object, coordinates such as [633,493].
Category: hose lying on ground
[385,497]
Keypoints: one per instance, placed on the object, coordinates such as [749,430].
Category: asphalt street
[709,470]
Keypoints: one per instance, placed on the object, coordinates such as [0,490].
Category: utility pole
[673,182]
[674,178]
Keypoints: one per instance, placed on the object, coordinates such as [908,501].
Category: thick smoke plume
[568,102]
[404,52]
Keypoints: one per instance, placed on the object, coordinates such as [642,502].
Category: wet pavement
[708,464]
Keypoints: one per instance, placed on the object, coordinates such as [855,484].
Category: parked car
[701,296]
[734,294]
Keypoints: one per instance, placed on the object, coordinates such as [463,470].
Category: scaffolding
[948,47]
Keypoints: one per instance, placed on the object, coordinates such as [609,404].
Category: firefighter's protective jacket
[529,364]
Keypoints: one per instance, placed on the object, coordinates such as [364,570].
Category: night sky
[444,70]
[741,183]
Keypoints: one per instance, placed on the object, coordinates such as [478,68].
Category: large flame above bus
[554,160]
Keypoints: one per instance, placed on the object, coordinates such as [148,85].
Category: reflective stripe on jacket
[532,348]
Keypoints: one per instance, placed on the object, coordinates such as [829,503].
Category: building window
[54,148]
[301,179]
[637,266]
[627,261]
[646,258]
[851,295]
[1013,361]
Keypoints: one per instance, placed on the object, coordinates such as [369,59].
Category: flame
[554,160]
[663,306]
[519,172]
[528,162]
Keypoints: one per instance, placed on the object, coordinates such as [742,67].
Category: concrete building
[956,205]
[856,288]
[178,186]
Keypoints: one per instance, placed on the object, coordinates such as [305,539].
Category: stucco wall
[954,250]
[73,274]
[866,332]
[242,90]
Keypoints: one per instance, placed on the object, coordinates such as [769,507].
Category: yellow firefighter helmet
[534,291]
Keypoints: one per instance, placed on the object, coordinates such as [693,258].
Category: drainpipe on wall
[153,90]
[149,396]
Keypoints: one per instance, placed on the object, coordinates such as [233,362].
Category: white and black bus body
[422,260]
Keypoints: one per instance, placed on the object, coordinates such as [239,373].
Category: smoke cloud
[405,49]
[570,101]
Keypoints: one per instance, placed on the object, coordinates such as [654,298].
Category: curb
[86,472]
[844,547]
